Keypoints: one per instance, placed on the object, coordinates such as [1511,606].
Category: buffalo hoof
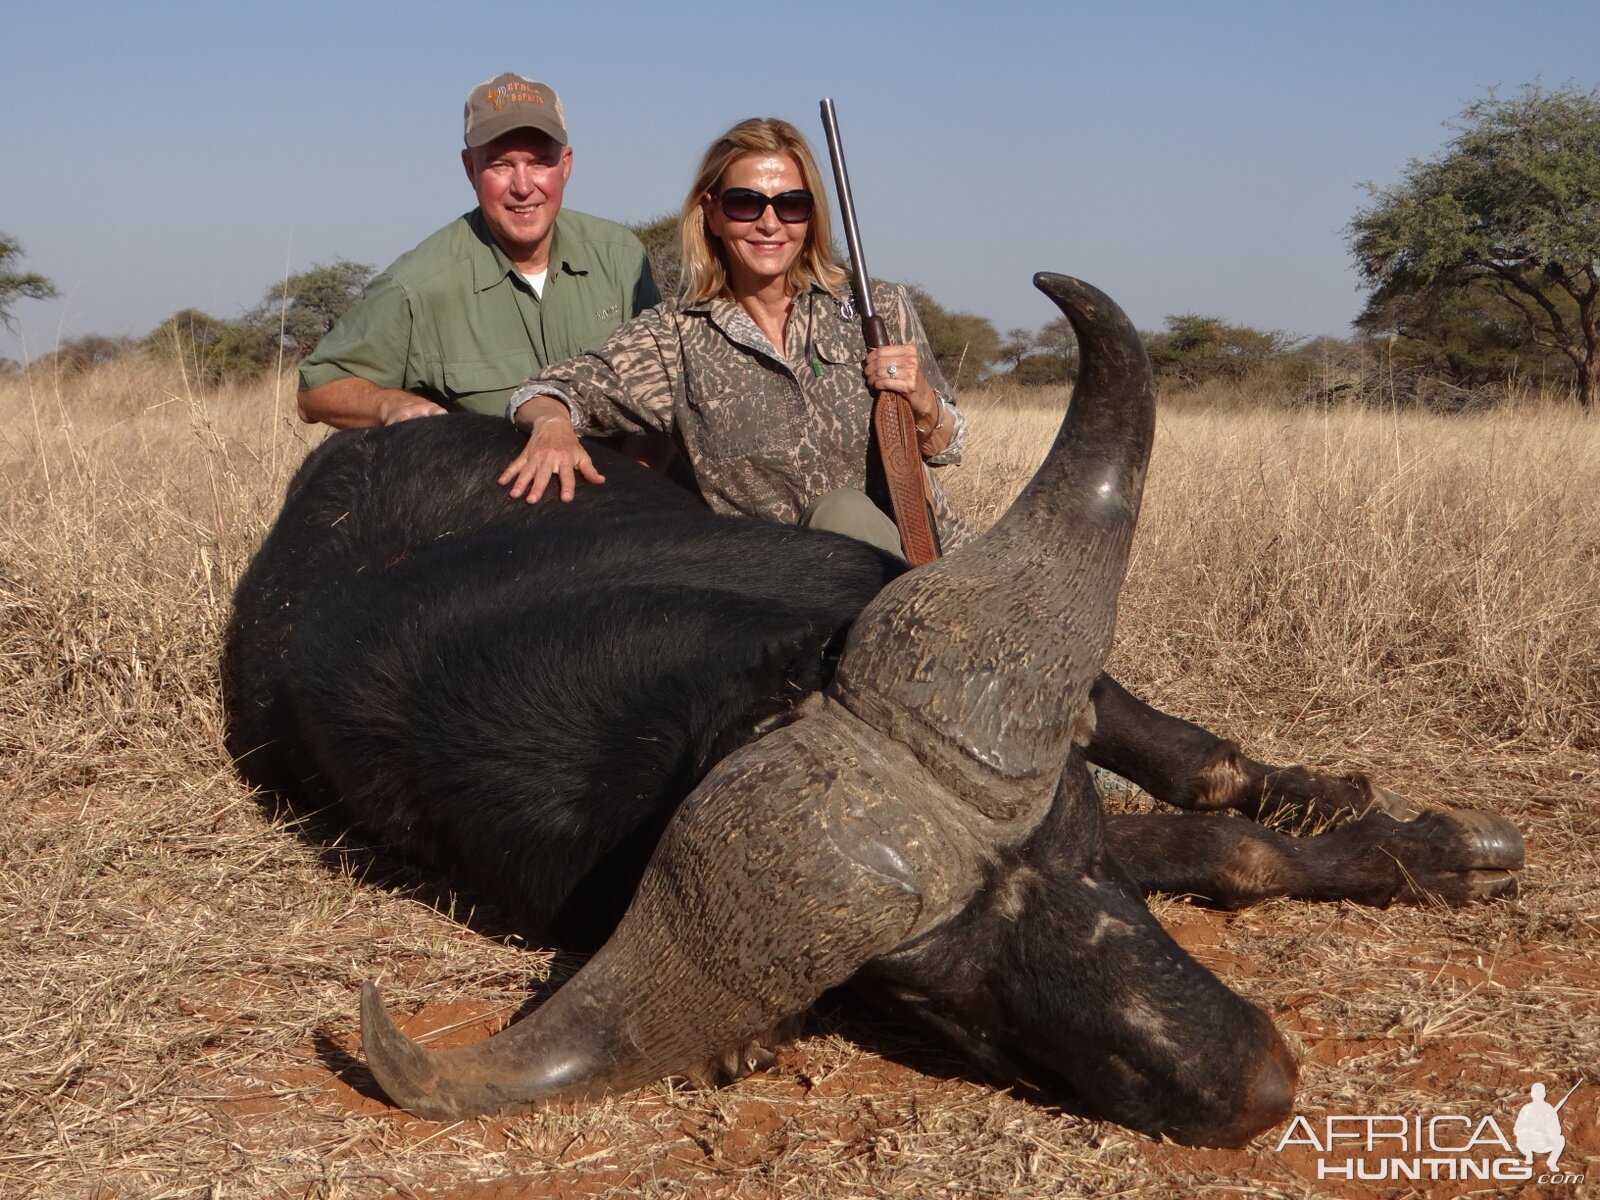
[1456,857]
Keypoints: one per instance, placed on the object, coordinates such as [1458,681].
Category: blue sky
[1184,157]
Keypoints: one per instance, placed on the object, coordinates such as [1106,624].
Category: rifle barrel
[847,212]
[1568,1096]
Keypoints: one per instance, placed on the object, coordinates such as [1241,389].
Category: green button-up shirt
[455,322]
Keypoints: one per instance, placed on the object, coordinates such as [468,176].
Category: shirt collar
[730,317]
[719,303]
[568,255]
[490,265]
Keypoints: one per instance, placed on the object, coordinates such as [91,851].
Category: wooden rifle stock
[893,423]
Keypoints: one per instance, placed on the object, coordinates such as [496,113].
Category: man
[514,285]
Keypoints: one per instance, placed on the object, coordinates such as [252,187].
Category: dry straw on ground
[1412,594]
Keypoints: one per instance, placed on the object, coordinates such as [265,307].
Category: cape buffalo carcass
[757,762]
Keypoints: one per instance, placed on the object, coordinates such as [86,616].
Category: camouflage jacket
[764,432]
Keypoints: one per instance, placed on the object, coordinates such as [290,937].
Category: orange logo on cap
[496,97]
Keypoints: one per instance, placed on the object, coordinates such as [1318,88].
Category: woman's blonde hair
[705,264]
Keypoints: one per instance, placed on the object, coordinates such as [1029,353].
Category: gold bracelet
[934,428]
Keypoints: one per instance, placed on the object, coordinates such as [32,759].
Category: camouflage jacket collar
[820,325]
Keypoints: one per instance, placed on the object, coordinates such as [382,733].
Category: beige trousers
[853,514]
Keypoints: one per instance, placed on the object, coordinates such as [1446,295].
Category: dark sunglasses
[747,204]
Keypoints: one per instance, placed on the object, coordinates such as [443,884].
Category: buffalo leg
[1188,767]
[1451,857]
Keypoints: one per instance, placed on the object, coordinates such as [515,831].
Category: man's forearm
[356,403]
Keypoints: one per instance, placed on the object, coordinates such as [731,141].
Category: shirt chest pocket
[485,384]
[840,345]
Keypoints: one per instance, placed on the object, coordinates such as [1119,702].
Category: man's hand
[403,406]
[553,451]
[356,403]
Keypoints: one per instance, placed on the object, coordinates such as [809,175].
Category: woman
[758,370]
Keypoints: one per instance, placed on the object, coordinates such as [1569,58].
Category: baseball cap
[508,102]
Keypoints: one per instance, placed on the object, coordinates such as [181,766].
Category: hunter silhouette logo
[1538,1127]
[1453,1146]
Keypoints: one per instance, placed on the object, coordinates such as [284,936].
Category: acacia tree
[1510,211]
[18,285]
[304,307]
[1016,346]
[1057,338]
[1053,355]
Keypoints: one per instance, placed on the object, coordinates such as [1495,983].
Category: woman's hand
[899,369]
[553,451]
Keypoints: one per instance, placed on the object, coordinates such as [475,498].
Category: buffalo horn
[982,661]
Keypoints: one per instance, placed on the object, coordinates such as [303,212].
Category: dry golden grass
[1411,594]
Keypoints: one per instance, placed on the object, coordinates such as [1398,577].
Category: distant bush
[83,353]
[1196,349]
[663,249]
[210,349]
[292,317]
[1043,370]
[964,345]
[1191,352]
